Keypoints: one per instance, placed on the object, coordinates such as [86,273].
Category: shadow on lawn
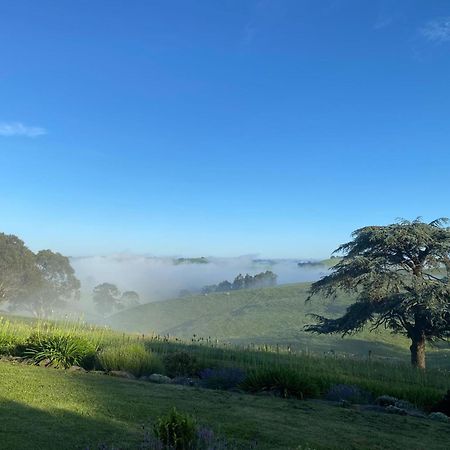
[24,427]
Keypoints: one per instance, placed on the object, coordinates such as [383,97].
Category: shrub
[282,381]
[443,406]
[386,400]
[348,393]
[223,378]
[8,345]
[61,350]
[132,358]
[180,364]
[176,430]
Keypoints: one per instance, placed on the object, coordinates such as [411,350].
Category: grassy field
[52,408]
[262,316]
[55,409]
[378,376]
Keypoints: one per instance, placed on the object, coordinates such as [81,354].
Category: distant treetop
[201,260]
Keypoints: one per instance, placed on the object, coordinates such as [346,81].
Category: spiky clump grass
[130,357]
[61,350]
[281,381]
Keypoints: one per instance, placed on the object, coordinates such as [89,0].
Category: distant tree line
[39,282]
[263,279]
[200,260]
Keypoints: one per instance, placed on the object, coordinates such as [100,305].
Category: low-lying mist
[160,278]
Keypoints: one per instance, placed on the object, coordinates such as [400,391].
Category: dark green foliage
[400,276]
[176,430]
[9,345]
[38,282]
[61,350]
[181,364]
[201,260]
[443,405]
[59,285]
[19,275]
[222,378]
[386,400]
[348,393]
[281,381]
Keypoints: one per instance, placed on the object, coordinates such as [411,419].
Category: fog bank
[159,278]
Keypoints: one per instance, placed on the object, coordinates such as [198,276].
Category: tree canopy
[38,282]
[59,284]
[399,274]
[107,298]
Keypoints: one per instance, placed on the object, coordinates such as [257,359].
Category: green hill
[273,315]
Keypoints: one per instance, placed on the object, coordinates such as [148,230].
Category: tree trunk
[418,351]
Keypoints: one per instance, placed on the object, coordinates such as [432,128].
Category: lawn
[56,409]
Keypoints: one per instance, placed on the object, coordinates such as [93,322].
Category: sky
[265,127]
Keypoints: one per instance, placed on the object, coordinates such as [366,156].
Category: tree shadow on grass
[124,404]
[24,427]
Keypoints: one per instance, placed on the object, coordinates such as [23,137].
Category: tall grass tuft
[61,350]
[132,358]
[177,431]
[281,381]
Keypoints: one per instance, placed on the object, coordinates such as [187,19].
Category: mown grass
[55,409]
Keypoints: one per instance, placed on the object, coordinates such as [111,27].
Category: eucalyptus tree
[19,275]
[106,297]
[399,275]
[130,299]
[38,282]
[59,285]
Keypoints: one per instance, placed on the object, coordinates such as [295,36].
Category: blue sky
[264,127]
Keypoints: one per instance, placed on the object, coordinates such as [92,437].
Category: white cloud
[437,30]
[19,129]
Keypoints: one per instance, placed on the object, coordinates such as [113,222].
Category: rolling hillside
[262,316]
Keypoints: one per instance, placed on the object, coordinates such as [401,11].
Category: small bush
[8,345]
[281,381]
[386,400]
[348,393]
[132,358]
[177,431]
[443,406]
[181,364]
[223,378]
[61,350]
